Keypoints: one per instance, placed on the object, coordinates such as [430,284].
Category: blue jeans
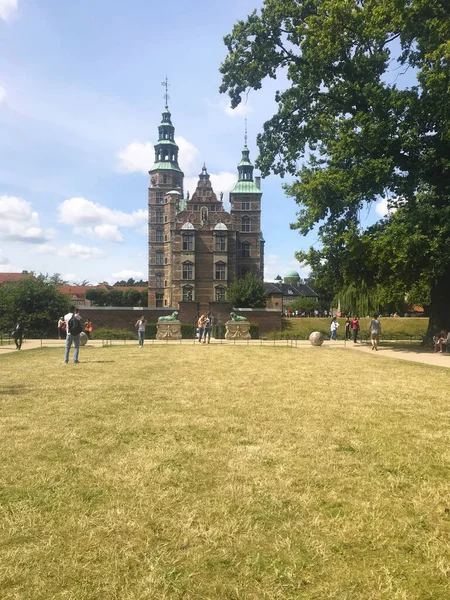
[76,345]
[141,335]
[333,335]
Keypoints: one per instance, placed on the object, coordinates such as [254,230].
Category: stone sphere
[83,339]
[316,338]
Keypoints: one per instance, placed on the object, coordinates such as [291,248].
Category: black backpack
[74,326]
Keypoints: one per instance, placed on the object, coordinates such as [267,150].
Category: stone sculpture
[316,338]
[235,317]
[172,317]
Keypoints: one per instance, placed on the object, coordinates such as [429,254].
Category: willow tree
[357,133]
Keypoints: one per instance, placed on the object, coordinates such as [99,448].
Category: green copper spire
[166,150]
[245,183]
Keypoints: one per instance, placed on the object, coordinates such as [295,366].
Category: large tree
[359,132]
[35,302]
[247,292]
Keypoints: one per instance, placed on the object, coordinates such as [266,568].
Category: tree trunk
[439,307]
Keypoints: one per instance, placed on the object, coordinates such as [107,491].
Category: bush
[106,333]
[150,331]
[219,331]
[254,331]
[188,331]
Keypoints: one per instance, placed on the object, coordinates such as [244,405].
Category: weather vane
[166,95]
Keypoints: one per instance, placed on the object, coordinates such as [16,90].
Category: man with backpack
[73,329]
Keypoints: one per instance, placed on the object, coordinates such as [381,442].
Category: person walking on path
[140,324]
[334,327]
[88,328]
[207,330]
[73,329]
[201,327]
[17,334]
[61,328]
[348,326]
[375,330]
[355,328]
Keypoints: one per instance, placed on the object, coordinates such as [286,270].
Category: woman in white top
[375,330]
[140,324]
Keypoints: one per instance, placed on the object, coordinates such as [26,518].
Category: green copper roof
[182,206]
[261,238]
[166,142]
[246,163]
[245,187]
[167,166]
[292,273]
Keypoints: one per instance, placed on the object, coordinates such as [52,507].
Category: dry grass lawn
[223,473]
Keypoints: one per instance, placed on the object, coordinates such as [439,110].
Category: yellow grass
[223,473]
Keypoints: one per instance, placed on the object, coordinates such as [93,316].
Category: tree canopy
[247,292]
[365,115]
[33,301]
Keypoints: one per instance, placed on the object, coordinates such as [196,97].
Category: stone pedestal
[168,330]
[237,330]
[316,338]
[83,339]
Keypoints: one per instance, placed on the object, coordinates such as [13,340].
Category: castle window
[159,197]
[188,270]
[159,216]
[166,237]
[165,176]
[245,250]
[188,243]
[204,214]
[159,280]
[213,208]
[188,293]
[159,298]
[245,205]
[160,258]
[221,243]
[245,224]
[220,271]
[220,293]
[195,207]
[159,235]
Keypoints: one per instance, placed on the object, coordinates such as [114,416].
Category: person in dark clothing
[17,334]
[347,328]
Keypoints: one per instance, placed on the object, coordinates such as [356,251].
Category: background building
[196,248]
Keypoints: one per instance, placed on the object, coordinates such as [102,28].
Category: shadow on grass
[10,390]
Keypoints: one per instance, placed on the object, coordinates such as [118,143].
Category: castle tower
[245,200]
[164,193]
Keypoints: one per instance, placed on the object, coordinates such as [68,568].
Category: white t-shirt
[334,325]
[67,319]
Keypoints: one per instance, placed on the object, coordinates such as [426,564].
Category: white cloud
[71,251]
[19,223]
[188,157]
[109,233]
[96,221]
[384,208]
[2,94]
[242,110]
[137,157]
[7,8]
[128,274]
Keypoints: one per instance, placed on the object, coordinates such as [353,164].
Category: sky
[80,102]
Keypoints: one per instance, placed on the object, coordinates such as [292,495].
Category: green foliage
[106,333]
[247,292]
[219,331]
[35,302]
[302,304]
[150,331]
[361,132]
[117,297]
[188,331]
[254,331]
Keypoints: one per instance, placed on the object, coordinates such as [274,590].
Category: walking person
[73,329]
[17,334]
[334,327]
[88,328]
[207,329]
[201,327]
[140,324]
[355,329]
[61,329]
[348,326]
[375,330]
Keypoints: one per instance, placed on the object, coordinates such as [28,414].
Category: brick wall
[268,319]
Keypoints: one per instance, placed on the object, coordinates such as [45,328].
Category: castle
[196,248]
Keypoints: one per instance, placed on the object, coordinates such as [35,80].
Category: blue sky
[80,102]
